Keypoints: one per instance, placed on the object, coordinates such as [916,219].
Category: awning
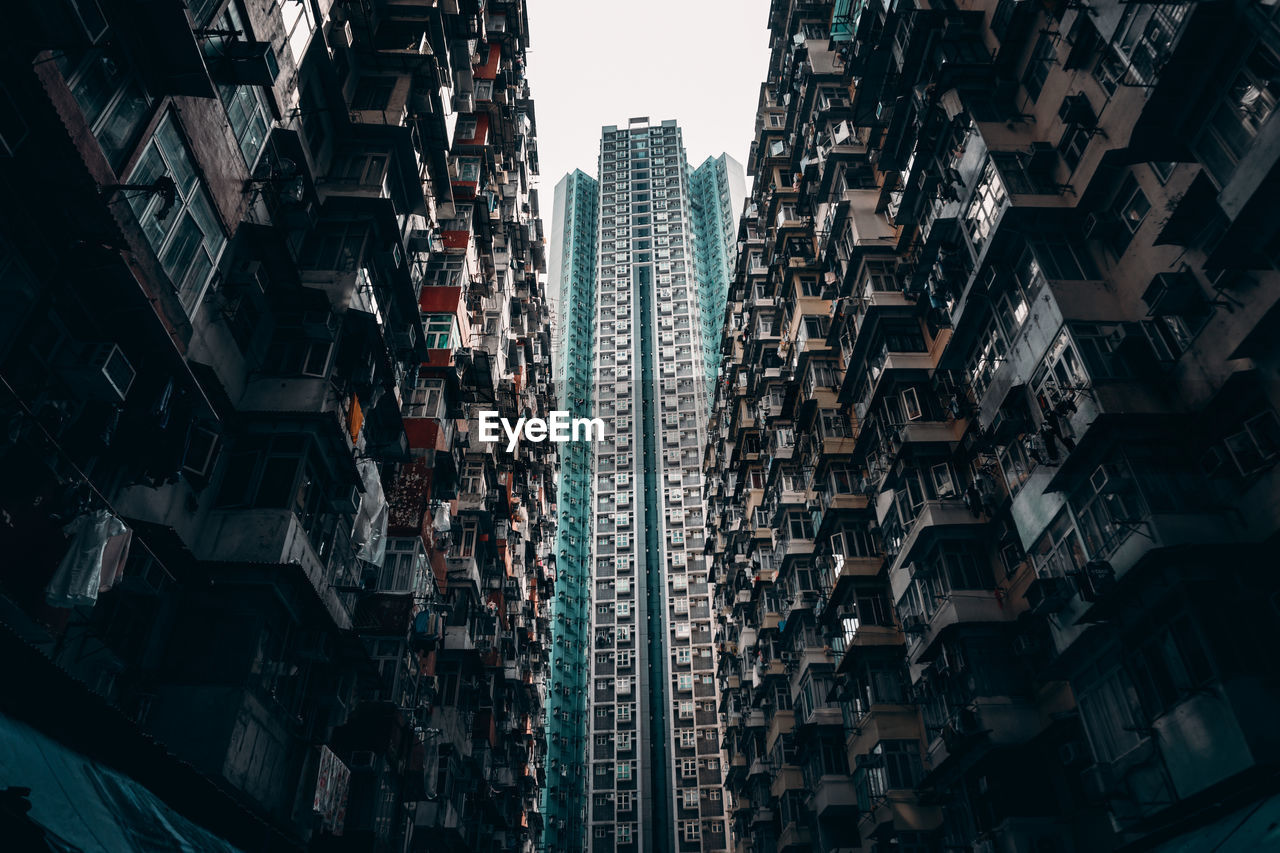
[1253,827]
[89,805]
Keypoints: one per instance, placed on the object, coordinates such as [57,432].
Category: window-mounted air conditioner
[103,373]
[251,63]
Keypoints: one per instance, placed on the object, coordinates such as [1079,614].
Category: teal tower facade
[717,191]
[639,272]
[571,286]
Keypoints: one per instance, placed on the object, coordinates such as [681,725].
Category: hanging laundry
[369,534]
[97,552]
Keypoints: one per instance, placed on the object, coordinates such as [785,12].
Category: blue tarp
[91,806]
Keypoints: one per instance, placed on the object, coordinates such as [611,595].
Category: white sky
[593,63]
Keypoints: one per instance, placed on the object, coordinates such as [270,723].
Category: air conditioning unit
[361,759]
[1100,224]
[1049,595]
[202,452]
[391,257]
[249,275]
[102,373]
[251,63]
[322,324]
[340,34]
[404,336]
[1077,110]
[1041,158]
[345,500]
[1096,579]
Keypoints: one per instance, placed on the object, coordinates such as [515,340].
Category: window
[335,246]
[1058,552]
[1247,104]
[692,830]
[372,93]
[246,109]
[294,354]
[283,472]
[114,104]
[687,740]
[1170,663]
[425,399]
[689,767]
[624,771]
[911,404]
[403,561]
[249,119]
[1111,714]
[364,168]
[1057,259]
[1257,446]
[187,235]
[815,327]
[1037,70]
[1130,206]
[299,24]
[1075,139]
[1013,173]
[988,199]
[439,330]
[1107,506]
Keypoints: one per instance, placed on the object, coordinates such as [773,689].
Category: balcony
[270,537]
[932,432]
[459,638]
[842,501]
[899,810]
[795,837]
[962,607]
[983,724]
[882,721]
[935,515]
[463,570]
[783,722]
[787,779]
[834,796]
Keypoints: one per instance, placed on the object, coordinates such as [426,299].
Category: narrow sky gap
[593,64]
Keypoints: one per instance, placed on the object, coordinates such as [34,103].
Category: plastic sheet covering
[94,560]
[370,532]
[88,805]
[333,780]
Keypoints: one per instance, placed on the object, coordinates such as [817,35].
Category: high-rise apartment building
[263,587]
[717,192]
[992,480]
[571,278]
[631,347]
